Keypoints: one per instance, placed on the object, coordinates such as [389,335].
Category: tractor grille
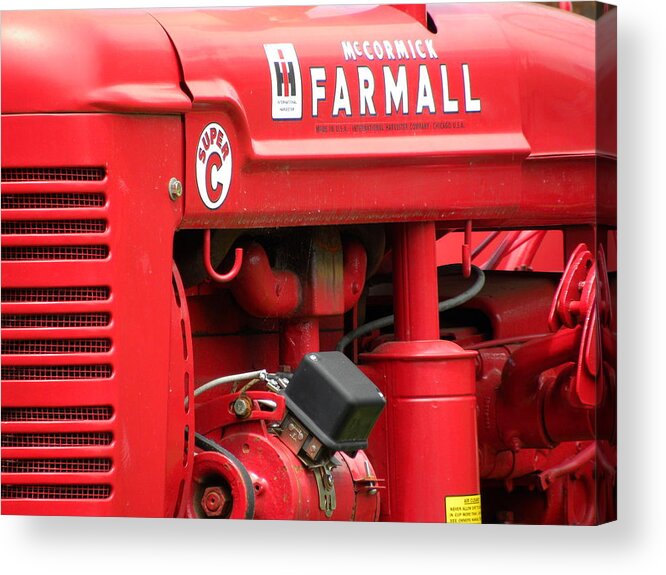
[55,439]
[52,201]
[89,465]
[46,253]
[54,227]
[55,346]
[49,295]
[57,335]
[56,491]
[53,174]
[27,321]
[91,413]
[48,372]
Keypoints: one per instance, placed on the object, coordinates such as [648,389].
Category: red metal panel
[263,148]
[82,61]
[124,297]
[520,64]
[425,442]
[298,116]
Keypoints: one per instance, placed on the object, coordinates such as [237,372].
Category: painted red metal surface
[216,276]
[293,495]
[501,136]
[429,385]
[283,487]
[79,267]
[420,120]
[85,61]
[415,283]
[261,291]
[507,137]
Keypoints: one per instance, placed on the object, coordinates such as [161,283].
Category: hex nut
[242,407]
[213,501]
[175,189]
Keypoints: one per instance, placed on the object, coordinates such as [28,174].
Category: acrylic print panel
[347,263]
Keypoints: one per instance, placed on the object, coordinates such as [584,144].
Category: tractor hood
[328,81]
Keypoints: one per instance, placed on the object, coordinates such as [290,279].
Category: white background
[634,544]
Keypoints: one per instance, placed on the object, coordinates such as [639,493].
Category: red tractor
[346,263]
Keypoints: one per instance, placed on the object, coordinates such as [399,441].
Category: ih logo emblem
[287,91]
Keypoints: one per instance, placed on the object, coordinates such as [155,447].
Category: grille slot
[48,372]
[54,346]
[46,295]
[45,253]
[49,201]
[81,209]
[82,465]
[82,174]
[27,321]
[84,439]
[32,227]
[56,491]
[83,413]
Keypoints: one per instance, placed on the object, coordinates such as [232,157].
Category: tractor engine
[310,263]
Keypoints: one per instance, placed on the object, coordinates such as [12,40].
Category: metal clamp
[326,487]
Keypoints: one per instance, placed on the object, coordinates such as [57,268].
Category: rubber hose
[447,304]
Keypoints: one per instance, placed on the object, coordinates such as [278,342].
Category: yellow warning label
[463,509]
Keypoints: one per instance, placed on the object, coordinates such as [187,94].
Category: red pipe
[467,250]
[520,405]
[298,337]
[501,251]
[484,243]
[262,291]
[505,341]
[568,465]
[523,250]
[520,377]
[415,282]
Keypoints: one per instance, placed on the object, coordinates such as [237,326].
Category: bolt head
[213,501]
[175,189]
[242,407]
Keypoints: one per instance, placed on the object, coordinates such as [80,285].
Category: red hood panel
[85,61]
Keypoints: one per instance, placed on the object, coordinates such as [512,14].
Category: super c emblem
[213,167]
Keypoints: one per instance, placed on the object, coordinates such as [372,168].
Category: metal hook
[232,273]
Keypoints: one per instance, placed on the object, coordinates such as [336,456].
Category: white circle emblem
[214,165]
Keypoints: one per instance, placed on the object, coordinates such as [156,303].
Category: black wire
[205,444]
[447,304]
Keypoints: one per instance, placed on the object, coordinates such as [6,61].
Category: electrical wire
[261,375]
[447,304]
